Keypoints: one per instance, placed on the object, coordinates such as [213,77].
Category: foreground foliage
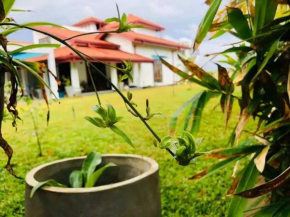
[263,30]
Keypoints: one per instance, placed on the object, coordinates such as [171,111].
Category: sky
[181,18]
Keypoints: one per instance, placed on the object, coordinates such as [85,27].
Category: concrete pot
[129,190]
[69,91]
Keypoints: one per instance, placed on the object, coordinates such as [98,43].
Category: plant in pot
[69,89]
[132,188]
[262,172]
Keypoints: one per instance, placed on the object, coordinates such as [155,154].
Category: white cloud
[161,9]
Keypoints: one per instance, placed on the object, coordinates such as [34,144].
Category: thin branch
[94,85]
[89,33]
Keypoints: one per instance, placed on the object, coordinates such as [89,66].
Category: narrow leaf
[269,211]
[267,187]
[205,25]
[50,182]
[122,134]
[260,160]
[265,11]
[29,47]
[234,152]
[76,179]
[174,118]
[96,175]
[203,100]
[248,180]
[215,168]
[90,163]
[239,22]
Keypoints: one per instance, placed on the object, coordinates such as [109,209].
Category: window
[45,40]
[158,71]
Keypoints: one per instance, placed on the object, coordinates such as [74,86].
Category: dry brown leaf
[267,187]
[260,160]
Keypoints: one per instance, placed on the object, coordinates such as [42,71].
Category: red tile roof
[66,33]
[89,20]
[64,54]
[135,20]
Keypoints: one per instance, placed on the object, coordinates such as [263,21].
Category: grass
[70,135]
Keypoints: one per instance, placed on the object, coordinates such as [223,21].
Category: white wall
[113,75]
[37,36]
[144,31]
[146,78]
[74,75]
[146,72]
[82,71]
[168,77]
[125,45]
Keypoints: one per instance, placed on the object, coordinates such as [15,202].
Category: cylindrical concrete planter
[131,189]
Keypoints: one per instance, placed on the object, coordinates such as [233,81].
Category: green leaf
[269,211]
[269,55]
[284,211]
[29,47]
[202,101]
[123,20]
[76,179]
[248,180]
[111,113]
[205,25]
[101,111]
[165,142]
[90,163]
[98,122]
[215,168]
[191,142]
[20,10]
[239,23]
[113,19]
[265,11]
[50,182]
[96,175]
[174,118]
[31,24]
[234,152]
[122,134]
[190,113]
[7,4]
[241,49]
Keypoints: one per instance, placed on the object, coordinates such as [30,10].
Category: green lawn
[67,136]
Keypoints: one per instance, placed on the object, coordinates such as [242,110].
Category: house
[142,46]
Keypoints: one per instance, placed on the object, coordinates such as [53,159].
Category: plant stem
[104,76]
[2,87]
[94,85]
[36,132]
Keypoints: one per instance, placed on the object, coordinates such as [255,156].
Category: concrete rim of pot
[30,180]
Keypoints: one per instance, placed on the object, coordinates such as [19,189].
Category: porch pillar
[114,76]
[75,79]
[52,67]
